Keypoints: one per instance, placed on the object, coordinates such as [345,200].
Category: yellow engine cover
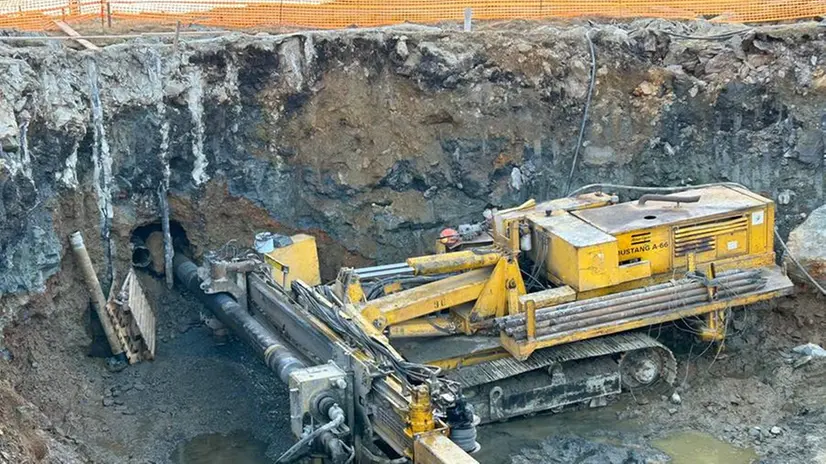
[299,260]
[625,243]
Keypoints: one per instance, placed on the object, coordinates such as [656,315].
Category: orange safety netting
[40,14]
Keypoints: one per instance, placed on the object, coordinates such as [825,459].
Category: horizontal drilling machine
[535,308]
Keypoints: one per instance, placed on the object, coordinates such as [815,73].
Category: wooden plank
[74,34]
[133,320]
[141,312]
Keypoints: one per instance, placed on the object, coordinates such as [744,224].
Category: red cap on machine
[449,236]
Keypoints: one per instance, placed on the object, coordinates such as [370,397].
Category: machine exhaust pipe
[266,344]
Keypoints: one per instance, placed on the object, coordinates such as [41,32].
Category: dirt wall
[378,138]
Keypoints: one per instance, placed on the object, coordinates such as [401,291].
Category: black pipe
[266,344]
[334,447]
[140,253]
[462,424]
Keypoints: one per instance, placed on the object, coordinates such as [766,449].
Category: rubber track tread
[492,371]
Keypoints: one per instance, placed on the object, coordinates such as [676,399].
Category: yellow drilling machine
[535,308]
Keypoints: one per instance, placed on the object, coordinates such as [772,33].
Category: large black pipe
[266,344]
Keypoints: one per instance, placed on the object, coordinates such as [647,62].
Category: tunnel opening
[147,245]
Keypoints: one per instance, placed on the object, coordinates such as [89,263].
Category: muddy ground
[751,396]
[149,411]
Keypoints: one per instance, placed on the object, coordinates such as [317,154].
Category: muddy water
[503,441]
[699,448]
[528,440]
[500,441]
[215,448]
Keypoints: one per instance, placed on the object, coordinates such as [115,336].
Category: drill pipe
[638,302]
[655,315]
[615,317]
[620,298]
[266,344]
[676,302]
[95,292]
[612,309]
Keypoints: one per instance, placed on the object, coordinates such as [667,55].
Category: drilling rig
[535,308]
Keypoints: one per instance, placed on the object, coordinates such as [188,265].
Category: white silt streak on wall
[195,102]
[69,174]
[233,93]
[102,161]
[24,144]
[158,94]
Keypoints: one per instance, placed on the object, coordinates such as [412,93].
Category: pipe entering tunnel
[266,343]
[147,243]
[141,256]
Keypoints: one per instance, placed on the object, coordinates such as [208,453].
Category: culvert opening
[140,255]
[147,242]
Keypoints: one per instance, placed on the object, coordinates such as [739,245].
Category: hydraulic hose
[266,344]
[639,188]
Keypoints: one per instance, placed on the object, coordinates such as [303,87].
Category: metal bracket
[283,268]
[219,276]
[496,409]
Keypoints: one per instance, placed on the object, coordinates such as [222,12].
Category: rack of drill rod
[653,301]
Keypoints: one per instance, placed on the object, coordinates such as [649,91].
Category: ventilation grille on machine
[640,238]
[701,237]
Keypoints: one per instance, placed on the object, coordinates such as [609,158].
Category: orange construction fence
[327,14]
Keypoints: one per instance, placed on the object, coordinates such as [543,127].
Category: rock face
[373,140]
[806,244]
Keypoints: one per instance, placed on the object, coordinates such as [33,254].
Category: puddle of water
[699,448]
[215,448]
[500,441]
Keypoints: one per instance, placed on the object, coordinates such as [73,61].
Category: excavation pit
[374,141]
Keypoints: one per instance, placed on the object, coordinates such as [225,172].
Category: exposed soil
[145,412]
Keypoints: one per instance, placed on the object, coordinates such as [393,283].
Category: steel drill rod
[518,319]
[521,332]
[655,315]
[588,325]
[661,298]
[681,299]
[667,306]
[631,295]
[647,292]
[623,297]
[673,305]
[616,308]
